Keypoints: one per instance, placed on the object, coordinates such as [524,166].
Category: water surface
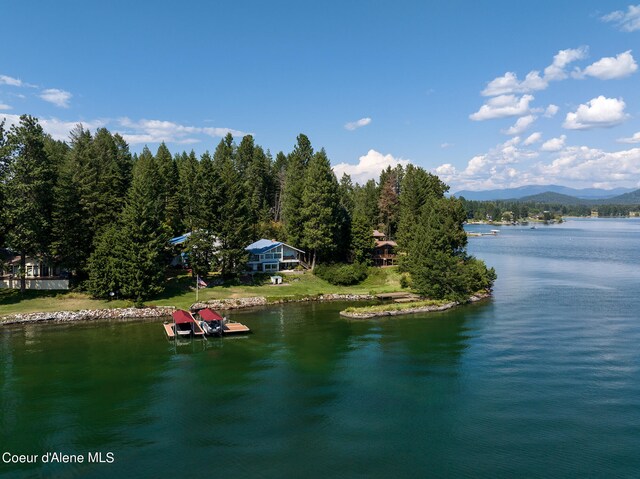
[541,381]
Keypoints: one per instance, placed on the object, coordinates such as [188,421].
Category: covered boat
[212,323]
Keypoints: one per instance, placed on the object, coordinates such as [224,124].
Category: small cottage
[384,252]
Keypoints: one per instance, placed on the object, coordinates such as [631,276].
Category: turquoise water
[541,381]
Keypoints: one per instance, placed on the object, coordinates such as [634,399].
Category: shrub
[342,274]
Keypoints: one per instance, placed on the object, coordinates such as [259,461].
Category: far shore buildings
[384,252]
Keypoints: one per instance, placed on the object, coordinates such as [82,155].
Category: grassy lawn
[180,292]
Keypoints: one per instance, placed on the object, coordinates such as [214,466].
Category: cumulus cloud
[551,111]
[520,125]
[554,144]
[509,83]
[503,106]
[532,138]
[628,21]
[597,113]
[609,68]
[556,71]
[354,125]
[590,165]
[369,166]
[157,131]
[533,81]
[7,80]
[57,97]
[635,138]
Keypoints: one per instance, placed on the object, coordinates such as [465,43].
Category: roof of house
[377,234]
[386,243]
[180,239]
[263,245]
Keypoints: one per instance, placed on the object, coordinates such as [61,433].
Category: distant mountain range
[533,190]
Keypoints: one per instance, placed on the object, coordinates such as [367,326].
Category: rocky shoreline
[420,309]
[88,315]
[240,303]
[163,311]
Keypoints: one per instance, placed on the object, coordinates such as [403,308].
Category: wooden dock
[235,328]
[168,329]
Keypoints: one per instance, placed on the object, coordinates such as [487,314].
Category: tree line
[106,215]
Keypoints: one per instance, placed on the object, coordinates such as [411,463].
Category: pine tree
[188,189]
[233,229]
[362,242]
[388,205]
[168,192]
[4,166]
[29,187]
[207,196]
[140,253]
[320,207]
[294,186]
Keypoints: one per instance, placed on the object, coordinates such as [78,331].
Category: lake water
[541,381]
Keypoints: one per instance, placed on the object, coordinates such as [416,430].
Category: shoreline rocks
[420,309]
[88,315]
[240,303]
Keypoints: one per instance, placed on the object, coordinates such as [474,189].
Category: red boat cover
[209,315]
[180,316]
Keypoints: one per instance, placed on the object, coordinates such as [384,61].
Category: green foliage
[105,264]
[201,249]
[28,188]
[342,274]
[293,189]
[362,242]
[320,207]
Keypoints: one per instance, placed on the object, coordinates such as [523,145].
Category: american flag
[201,283]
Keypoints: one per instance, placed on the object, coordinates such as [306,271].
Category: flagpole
[197,288]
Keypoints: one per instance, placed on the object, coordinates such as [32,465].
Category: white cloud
[551,111]
[503,106]
[157,131]
[446,145]
[509,83]
[554,144]
[57,97]
[369,166]
[590,166]
[354,125]
[445,169]
[58,129]
[598,112]
[632,139]
[556,71]
[520,125]
[7,80]
[532,138]
[628,21]
[4,106]
[609,68]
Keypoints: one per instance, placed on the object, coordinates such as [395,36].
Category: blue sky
[485,94]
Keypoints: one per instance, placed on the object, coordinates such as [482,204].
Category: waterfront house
[40,273]
[384,252]
[271,255]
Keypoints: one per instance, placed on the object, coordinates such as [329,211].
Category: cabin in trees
[384,252]
[270,255]
[40,273]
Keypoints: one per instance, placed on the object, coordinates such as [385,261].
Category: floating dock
[227,327]
[188,326]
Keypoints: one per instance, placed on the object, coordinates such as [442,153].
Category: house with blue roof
[269,256]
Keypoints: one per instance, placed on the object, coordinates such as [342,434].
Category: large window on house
[271,267]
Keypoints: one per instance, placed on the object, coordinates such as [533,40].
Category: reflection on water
[542,380]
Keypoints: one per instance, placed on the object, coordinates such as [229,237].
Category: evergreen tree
[4,167]
[388,204]
[207,194]
[168,192]
[188,190]
[294,186]
[233,229]
[143,238]
[28,192]
[279,175]
[362,242]
[320,207]
[106,263]
[366,202]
